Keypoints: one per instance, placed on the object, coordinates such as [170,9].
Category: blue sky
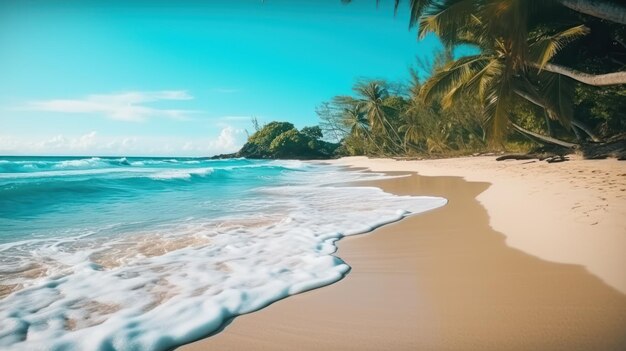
[124,77]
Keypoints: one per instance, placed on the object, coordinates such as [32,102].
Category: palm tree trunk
[580,125]
[615,78]
[608,10]
[577,133]
[371,140]
[548,127]
[576,123]
[543,138]
[395,134]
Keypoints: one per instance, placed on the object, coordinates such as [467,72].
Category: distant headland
[282,140]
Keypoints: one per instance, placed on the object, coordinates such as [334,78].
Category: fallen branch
[548,157]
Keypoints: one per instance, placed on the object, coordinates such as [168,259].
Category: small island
[282,140]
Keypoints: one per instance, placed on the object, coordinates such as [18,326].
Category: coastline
[570,212]
[435,283]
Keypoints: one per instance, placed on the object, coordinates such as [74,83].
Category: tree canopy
[283,140]
[539,62]
[547,72]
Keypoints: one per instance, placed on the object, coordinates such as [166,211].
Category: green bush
[290,144]
[283,140]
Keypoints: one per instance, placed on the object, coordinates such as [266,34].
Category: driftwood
[557,158]
[615,147]
[548,157]
[517,157]
[551,152]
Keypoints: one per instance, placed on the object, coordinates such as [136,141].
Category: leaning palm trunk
[604,9]
[615,78]
[608,10]
[370,139]
[576,123]
[398,140]
[544,139]
[580,125]
[388,132]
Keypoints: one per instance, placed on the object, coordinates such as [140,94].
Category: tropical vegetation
[543,72]
[547,71]
[282,140]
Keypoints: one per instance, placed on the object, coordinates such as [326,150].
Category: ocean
[100,253]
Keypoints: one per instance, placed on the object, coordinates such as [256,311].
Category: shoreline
[433,283]
[570,212]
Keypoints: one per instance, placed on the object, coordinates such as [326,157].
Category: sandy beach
[525,256]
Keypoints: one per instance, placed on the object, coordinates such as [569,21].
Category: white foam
[78,163]
[69,173]
[181,173]
[291,164]
[153,173]
[279,242]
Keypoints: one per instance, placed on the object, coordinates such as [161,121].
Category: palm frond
[371,90]
[486,73]
[497,107]
[558,92]
[544,48]
[447,18]
[417,8]
[450,76]
[345,101]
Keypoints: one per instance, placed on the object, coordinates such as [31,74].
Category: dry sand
[536,260]
[570,212]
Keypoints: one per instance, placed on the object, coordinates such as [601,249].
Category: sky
[184,78]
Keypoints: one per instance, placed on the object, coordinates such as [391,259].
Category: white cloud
[126,106]
[59,142]
[229,140]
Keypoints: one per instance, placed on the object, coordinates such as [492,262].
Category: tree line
[547,71]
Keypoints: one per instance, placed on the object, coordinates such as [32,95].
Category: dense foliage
[550,72]
[544,72]
[283,140]
[404,125]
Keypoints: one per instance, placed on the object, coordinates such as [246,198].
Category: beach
[313,175]
[525,255]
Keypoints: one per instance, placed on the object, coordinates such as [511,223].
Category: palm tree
[355,120]
[413,127]
[515,58]
[371,97]
[498,77]
[372,94]
[511,21]
[614,11]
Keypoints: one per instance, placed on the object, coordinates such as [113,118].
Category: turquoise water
[150,253]
[42,196]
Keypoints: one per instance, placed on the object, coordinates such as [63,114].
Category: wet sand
[442,280]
